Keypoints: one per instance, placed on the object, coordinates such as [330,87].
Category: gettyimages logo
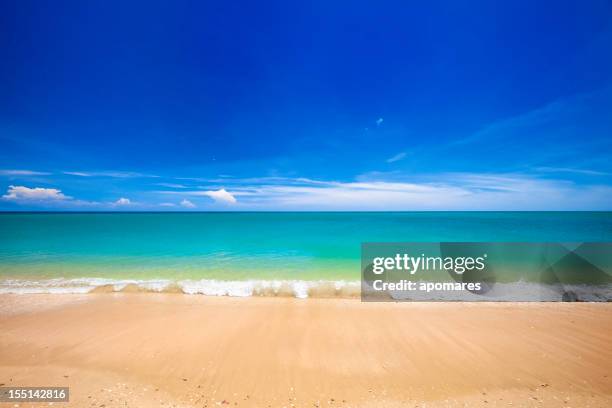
[476,271]
[413,264]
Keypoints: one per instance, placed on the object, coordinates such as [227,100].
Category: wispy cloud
[449,191]
[516,125]
[111,173]
[549,121]
[458,192]
[265,180]
[77,173]
[571,170]
[391,191]
[397,157]
[14,173]
[171,185]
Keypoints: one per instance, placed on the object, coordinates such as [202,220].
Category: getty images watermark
[476,271]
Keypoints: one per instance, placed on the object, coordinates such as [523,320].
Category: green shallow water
[240,246]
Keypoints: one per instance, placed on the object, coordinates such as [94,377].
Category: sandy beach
[118,350]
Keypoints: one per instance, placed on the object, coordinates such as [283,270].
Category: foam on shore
[301,289]
[210,287]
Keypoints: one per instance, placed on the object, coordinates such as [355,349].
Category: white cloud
[220,196]
[123,201]
[187,204]
[112,174]
[37,194]
[572,170]
[379,121]
[171,185]
[397,157]
[266,180]
[167,205]
[54,197]
[469,193]
[77,173]
[450,191]
[23,173]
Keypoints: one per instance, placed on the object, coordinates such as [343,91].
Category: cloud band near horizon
[369,192]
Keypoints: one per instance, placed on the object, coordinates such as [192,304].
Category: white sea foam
[76,285]
[515,291]
[210,287]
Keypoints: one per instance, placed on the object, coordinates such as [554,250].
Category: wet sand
[163,350]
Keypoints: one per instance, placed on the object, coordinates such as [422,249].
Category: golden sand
[148,350]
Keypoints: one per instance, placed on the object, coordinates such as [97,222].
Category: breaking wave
[210,287]
[515,291]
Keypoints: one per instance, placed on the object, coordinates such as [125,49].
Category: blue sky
[306,106]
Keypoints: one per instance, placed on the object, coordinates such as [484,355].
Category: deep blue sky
[311,105]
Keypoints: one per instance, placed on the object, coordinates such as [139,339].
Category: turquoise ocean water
[244,253]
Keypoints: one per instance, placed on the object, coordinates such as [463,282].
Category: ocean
[243,254]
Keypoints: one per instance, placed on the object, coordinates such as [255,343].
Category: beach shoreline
[130,349]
